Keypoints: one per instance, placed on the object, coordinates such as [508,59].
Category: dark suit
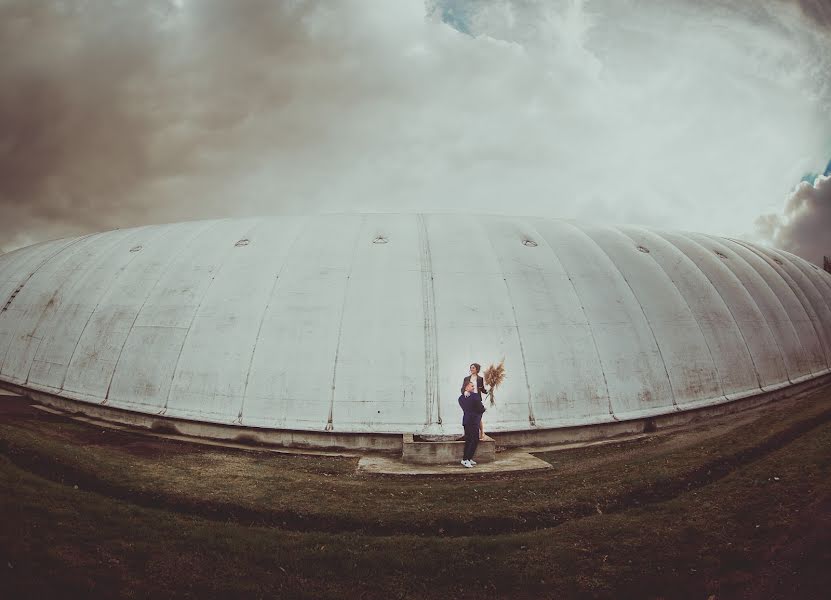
[473,409]
[480,383]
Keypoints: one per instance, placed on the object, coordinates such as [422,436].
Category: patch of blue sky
[456,13]
[810,177]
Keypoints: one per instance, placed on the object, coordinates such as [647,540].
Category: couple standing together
[471,403]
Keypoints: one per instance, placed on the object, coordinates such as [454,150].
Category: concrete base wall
[587,433]
[250,435]
[393,442]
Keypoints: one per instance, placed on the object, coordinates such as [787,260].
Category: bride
[478,387]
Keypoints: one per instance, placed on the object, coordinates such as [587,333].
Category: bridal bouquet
[494,375]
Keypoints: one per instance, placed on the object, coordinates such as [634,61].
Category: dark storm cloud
[804,228]
[74,124]
[100,101]
[817,10]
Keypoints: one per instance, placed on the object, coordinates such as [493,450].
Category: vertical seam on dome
[720,243]
[818,305]
[98,303]
[773,336]
[428,300]
[162,273]
[531,418]
[299,235]
[808,357]
[221,266]
[798,292]
[686,303]
[814,276]
[330,417]
[802,297]
[807,273]
[729,309]
[69,283]
[610,408]
[643,311]
[26,280]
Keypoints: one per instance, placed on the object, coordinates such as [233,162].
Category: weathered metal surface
[796,313]
[562,364]
[718,327]
[766,366]
[789,346]
[16,271]
[632,366]
[684,351]
[367,323]
[99,348]
[41,306]
[806,291]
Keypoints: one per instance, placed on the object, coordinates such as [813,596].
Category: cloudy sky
[682,114]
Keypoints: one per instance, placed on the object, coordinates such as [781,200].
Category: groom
[472,406]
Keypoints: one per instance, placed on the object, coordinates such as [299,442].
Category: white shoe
[473,462]
[466,464]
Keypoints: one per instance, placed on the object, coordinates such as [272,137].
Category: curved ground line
[52,470]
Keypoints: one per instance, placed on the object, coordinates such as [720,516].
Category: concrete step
[437,451]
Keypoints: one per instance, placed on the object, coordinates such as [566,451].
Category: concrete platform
[508,461]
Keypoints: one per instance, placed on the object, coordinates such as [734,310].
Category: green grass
[671,516]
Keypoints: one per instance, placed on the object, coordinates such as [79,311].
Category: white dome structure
[357,327]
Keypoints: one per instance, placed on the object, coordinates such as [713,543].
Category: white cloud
[804,227]
[679,115]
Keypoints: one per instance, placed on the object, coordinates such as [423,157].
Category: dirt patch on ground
[17,406]
[134,444]
[796,562]
[18,409]
[697,432]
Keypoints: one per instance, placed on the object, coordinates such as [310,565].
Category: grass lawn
[735,507]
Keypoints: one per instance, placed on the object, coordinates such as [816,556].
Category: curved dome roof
[367,323]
